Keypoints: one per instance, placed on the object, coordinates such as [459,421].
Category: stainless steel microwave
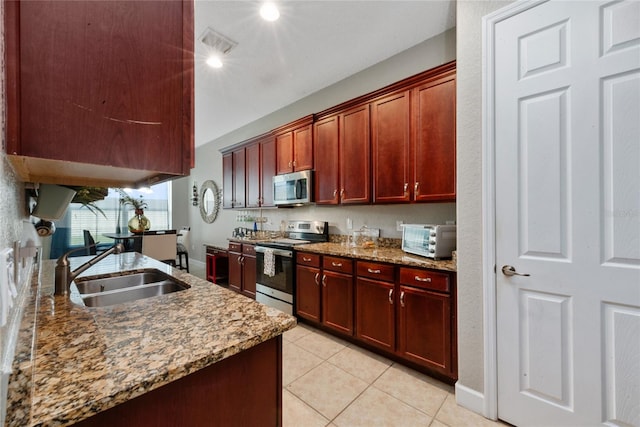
[293,189]
[433,241]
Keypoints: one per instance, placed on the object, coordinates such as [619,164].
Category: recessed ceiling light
[269,12]
[214,61]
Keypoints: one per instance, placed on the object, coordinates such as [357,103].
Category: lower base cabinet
[242,268]
[407,313]
[242,390]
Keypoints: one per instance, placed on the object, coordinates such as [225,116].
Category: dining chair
[183,248]
[160,245]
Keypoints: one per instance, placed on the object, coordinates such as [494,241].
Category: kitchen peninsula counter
[379,254]
[73,362]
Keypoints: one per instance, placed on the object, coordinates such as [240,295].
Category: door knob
[509,270]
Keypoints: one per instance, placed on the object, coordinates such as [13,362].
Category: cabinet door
[101,83]
[239,189]
[308,293]
[434,171]
[227,181]
[355,156]
[337,301]
[327,168]
[375,313]
[235,271]
[303,148]
[249,276]
[390,148]
[252,153]
[284,153]
[268,170]
[424,328]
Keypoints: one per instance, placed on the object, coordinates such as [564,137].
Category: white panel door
[567,185]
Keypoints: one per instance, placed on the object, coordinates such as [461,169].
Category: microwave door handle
[298,189]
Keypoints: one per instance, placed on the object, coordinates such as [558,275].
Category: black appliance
[275,263]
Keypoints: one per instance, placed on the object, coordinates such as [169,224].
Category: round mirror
[209,201]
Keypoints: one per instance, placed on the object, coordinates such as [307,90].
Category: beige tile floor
[329,382]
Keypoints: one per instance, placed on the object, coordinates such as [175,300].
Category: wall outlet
[399,225]
[349,224]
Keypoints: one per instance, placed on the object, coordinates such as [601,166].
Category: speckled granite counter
[85,360]
[389,255]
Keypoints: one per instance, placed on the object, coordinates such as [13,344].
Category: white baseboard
[470,399]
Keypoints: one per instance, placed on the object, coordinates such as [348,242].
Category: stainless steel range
[275,263]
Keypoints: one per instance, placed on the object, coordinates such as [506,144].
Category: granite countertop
[73,362]
[388,255]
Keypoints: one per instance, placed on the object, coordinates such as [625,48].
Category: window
[158,210]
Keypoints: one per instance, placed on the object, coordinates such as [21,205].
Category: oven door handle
[279,252]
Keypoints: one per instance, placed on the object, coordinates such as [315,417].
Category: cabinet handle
[342,193]
[422,279]
[290,164]
[373,271]
[335,193]
[406,186]
[402,298]
[391,296]
[305,259]
[294,163]
[416,187]
[336,264]
[315,279]
[324,280]
[239,260]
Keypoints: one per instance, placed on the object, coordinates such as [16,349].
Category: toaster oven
[432,241]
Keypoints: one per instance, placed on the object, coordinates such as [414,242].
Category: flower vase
[139,223]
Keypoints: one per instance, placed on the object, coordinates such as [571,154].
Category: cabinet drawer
[341,265]
[375,270]
[305,258]
[425,279]
[248,249]
[235,247]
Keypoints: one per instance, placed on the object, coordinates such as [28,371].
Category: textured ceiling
[313,45]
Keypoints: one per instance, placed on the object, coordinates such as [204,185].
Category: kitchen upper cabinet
[294,146]
[234,179]
[99,92]
[267,170]
[327,169]
[253,178]
[390,141]
[434,140]
[346,178]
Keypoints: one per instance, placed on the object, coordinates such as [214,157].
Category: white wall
[428,54]
[469,190]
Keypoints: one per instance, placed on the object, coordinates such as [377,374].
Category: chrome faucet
[64,275]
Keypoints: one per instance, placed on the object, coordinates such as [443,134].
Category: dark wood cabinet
[390,142]
[375,304]
[308,290]
[227,181]
[434,140]
[242,268]
[253,178]
[337,294]
[327,169]
[267,170]
[425,305]
[355,156]
[234,179]
[99,92]
[294,146]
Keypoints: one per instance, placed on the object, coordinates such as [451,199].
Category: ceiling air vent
[217,41]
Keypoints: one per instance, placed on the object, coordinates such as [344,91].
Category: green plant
[87,196]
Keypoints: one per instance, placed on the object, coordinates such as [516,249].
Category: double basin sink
[97,291]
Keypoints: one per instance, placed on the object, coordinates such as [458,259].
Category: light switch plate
[349,224]
[399,225]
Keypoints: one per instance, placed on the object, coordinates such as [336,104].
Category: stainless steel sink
[105,291]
